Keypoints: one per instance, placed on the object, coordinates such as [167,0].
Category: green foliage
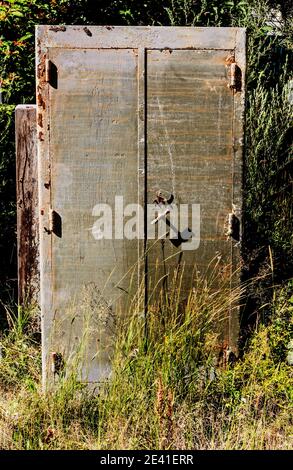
[7,197]
[280,330]
[20,362]
[268,118]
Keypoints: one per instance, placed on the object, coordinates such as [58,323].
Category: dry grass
[172,394]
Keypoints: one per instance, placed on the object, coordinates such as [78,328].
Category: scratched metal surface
[129,107]
[189,122]
[93,140]
[149,37]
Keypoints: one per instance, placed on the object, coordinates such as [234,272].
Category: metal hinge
[55,224]
[51,75]
[235,77]
[57,364]
[47,70]
[232,227]
[234,74]
[52,223]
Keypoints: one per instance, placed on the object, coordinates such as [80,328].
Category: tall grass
[178,393]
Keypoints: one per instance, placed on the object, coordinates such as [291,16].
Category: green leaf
[26,36]
[16,13]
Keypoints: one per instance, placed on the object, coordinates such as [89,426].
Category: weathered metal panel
[27,205]
[149,37]
[93,141]
[190,154]
[129,111]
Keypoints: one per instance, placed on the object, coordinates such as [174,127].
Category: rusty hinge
[47,70]
[227,356]
[234,74]
[55,224]
[232,226]
[51,75]
[57,364]
[235,77]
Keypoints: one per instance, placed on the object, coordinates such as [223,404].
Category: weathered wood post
[27,205]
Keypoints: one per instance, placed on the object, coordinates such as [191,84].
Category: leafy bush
[7,201]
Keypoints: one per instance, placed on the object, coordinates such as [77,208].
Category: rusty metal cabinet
[125,112]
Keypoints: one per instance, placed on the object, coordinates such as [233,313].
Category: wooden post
[27,205]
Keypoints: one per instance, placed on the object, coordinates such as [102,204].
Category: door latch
[165,204]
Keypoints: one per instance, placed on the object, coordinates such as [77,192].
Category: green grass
[176,393]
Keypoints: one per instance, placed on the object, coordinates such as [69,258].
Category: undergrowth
[176,393]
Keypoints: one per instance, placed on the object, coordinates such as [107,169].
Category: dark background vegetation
[268,244]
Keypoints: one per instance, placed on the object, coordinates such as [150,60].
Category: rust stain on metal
[41,69]
[230,59]
[167,49]
[87,31]
[40,101]
[56,29]
[40,120]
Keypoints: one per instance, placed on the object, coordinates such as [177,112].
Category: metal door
[123,113]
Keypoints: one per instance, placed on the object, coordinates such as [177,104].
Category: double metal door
[128,116]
